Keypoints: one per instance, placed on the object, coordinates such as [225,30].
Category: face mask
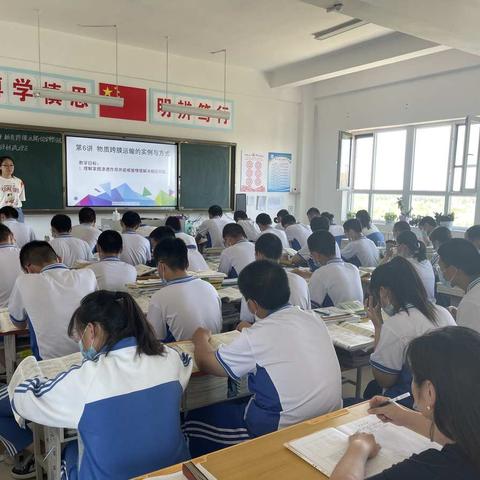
[389,310]
[89,353]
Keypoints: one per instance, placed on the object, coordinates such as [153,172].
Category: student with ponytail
[415,251]
[124,398]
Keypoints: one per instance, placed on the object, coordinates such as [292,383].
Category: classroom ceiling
[259,34]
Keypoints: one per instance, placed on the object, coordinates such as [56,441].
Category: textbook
[6,324]
[230,294]
[352,336]
[354,307]
[143,270]
[334,314]
[324,449]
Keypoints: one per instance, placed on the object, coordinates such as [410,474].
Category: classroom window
[363,162]
[427,205]
[360,202]
[383,204]
[464,208]
[389,160]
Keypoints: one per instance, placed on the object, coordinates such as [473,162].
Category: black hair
[288,220]
[215,211]
[173,252]
[233,230]
[5,232]
[417,247]
[266,283]
[328,215]
[322,242]
[353,224]
[174,223]
[131,219]
[110,241]
[270,246]
[319,223]
[448,358]
[401,226]
[161,232]
[461,254]
[401,278]
[313,211]
[472,233]
[61,223]
[87,215]
[263,219]
[9,212]
[120,317]
[37,253]
[240,215]
[440,235]
[281,213]
[364,218]
[427,221]
[3,158]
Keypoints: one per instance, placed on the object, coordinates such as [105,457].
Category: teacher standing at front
[12,189]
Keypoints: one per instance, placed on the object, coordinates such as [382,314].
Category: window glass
[427,205]
[359,202]
[363,162]
[383,204]
[464,209]
[390,160]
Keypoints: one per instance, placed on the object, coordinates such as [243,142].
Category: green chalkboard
[206,175]
[38,162]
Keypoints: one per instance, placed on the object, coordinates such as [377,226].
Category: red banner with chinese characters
[135,102]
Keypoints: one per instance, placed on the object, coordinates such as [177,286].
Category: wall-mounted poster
[254,173]
[279,171]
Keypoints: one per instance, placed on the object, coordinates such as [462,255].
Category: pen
[393,400]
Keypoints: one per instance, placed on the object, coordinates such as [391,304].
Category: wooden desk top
[266,458]
[7,327]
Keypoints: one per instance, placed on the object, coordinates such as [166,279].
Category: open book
[352,336]
[324,449]
[6,324]
[143,270]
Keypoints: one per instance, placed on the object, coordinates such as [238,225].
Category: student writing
[297,233]
[211,229]
[136,249]
[86,230]
[176,226]
[264,222]
[249,226]
[22,232]
[360,251]
[10,262]
[239,252]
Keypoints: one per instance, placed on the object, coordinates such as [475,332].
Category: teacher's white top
[12,192]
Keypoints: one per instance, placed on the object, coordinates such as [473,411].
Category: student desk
[266,457]
[10,333]
[454,293]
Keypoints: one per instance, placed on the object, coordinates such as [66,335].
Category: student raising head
[312,213]
[175,224]
[297,234]
[414,250]
[279,218]
[460,265]
[249,226]
[22,232]
[9,260]
[136,249]
[186,302]
[264,222]
[427,225]
[335,230]
[86,230]
[283,342]
[446,386]
[400,227]
[113,397]
[397,290]
[360,251]
[269,247]
[239,252]
[369,229]
[112,274]
[472,235]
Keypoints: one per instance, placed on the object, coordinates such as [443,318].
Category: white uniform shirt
[297,235]
[235,258]
[71,249]
[22,232]
[362,251]
[426,273]
[182,306]
[299,297]
[196,262]
[188,239]
[108,400]
[334,283]
[304,252]
[136,249]
[398,331]
[12,192]
[87,232]
[337,230]
[113,274]
[293,371]
[468,309]
[47,301]
[212,229]
[10,268]
[250,228]
[279,233]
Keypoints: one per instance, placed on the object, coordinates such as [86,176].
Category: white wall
[265,119]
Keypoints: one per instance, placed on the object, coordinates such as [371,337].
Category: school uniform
[212,230]
[338,232]
[334,283]
[250,228]
[22,232]
[297,235]
[362,253]
[188,239]
[306,255]
[426,273]
[299,297]
[397,332]
[235,258]
[125,407]
[87,233]
[182,306]
[375,235]
[469,307]
[71,249]
[10,262]
[279,233]
[136,249]
[196,262]
[46,301]
[113,274]
[445,464]
[293,375]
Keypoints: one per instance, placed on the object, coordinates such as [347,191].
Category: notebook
[324,449]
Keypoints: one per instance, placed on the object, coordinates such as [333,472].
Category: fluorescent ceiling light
[79,97]
[199,112]
[338,29]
